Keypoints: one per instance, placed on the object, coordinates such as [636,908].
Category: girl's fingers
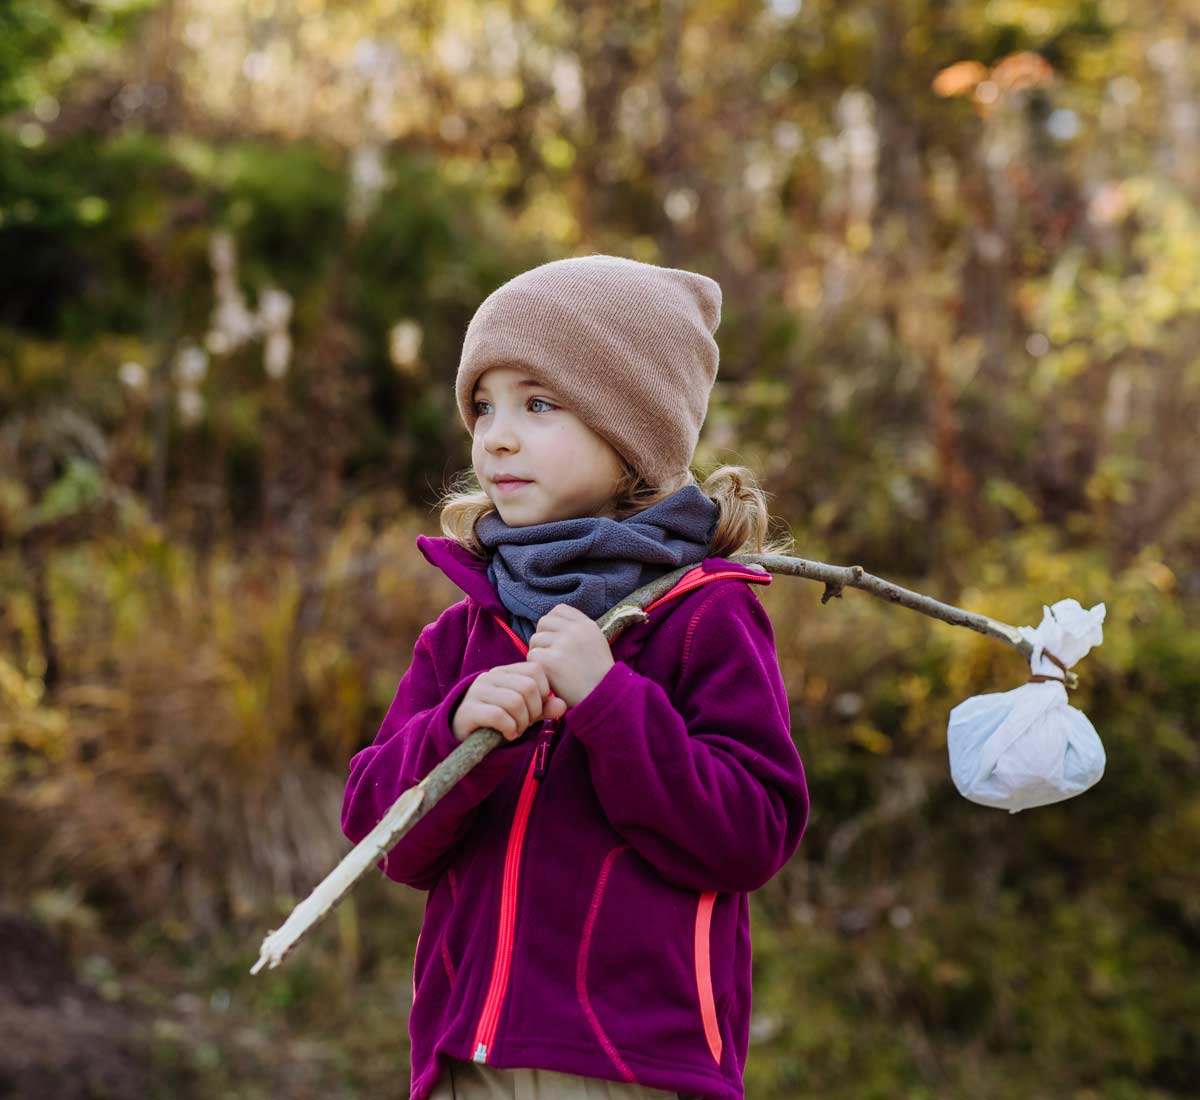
[527,688]
[489,715]
[532,682]
[513,697]
[515,703]
[535,670]
[522,670]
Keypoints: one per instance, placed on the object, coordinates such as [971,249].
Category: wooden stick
[417,801]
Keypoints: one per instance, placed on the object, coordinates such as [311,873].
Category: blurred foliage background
[239,246]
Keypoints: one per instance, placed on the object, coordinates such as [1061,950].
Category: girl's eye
[478,412]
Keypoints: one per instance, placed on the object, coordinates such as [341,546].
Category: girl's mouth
[511,486]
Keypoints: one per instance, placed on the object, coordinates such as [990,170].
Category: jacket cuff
[588,716]
[441,732]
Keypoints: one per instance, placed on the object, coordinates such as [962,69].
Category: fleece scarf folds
[593,562]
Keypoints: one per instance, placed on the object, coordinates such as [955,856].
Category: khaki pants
[470,1081]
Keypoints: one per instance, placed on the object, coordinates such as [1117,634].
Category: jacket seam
[695,623]
[581,963]
[443,621]
[437,676]
[447,962]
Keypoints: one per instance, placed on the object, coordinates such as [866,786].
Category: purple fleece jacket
[588,883]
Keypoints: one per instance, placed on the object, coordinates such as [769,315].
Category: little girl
[587,929]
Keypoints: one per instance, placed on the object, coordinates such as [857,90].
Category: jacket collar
[470,572]
[464,569]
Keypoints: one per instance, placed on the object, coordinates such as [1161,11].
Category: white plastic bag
[1029,747]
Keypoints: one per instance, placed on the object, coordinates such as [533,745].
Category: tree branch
[414,803]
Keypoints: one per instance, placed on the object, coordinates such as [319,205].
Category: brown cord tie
[1036,677]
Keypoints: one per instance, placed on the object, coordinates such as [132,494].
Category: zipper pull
[541,754]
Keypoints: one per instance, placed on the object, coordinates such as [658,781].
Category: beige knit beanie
[628,345]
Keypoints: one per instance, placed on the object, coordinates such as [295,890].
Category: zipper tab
[541,754]
[480,1054]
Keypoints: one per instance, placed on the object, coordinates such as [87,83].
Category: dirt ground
[141,1037]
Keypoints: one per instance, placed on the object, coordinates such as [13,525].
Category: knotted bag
[1028,746]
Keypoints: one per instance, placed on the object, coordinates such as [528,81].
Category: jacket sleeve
[713,794]
[414,737]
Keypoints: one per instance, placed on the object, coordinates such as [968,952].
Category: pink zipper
[485,1031]
[489,1018]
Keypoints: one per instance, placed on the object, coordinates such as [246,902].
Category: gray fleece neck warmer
[592,562]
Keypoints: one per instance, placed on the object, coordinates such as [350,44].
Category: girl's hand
[508,698]
[573,650]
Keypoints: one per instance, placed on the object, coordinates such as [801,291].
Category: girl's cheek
[559,432]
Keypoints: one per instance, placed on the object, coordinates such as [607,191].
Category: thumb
[554,708]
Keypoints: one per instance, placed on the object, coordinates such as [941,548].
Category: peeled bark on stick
[411,806]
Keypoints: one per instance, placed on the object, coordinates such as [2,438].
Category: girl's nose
[499,434]
[497,441]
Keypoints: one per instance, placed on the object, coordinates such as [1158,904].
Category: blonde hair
[743,522]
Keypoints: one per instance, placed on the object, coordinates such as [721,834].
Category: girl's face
[524,430]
